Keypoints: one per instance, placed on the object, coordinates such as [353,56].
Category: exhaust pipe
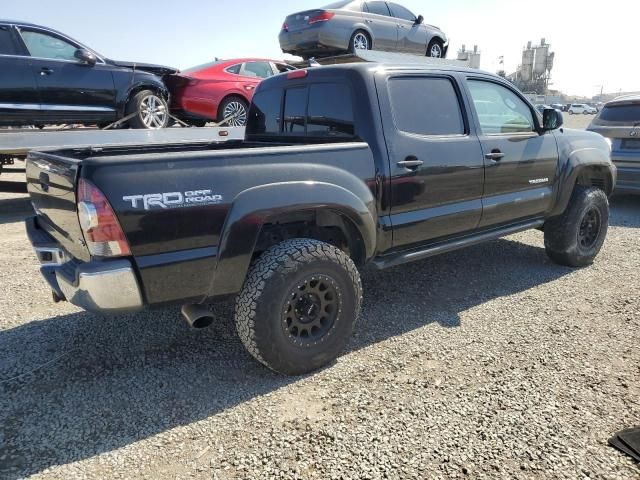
[197,316]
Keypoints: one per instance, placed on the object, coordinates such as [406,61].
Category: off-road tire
[261,306]
[562,233]
[134,106]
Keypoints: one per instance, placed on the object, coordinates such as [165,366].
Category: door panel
[18,91]
[383,26]
[68,88]
[412,38]
[441,197]
[520,164]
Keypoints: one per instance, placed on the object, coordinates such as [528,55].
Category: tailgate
[51,182]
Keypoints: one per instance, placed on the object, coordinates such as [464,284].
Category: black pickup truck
[342,166]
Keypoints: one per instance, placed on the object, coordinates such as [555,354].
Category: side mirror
[419,20]
[551,119]
[85,56]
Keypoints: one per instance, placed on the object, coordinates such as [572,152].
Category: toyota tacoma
[342,166]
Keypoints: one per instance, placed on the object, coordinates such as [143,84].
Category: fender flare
[578,162]
[244,223]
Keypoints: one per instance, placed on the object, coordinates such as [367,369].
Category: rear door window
[7,45]
[426,106]
[257,69]
[379,8]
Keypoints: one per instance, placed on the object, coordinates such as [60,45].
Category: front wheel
[435,49]
[575,238]
[298,306]
[150,111]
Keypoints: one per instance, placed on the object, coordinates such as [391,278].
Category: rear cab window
[426,105]
[313,111]
[7,44]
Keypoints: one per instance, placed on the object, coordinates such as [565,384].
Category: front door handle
[495,155]
[46,71]
[412,163]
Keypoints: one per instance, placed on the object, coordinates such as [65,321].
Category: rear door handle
[412,163]
[495,155]
[46,71]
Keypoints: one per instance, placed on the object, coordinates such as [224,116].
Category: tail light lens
[285,27]
[100,226]
[323,17]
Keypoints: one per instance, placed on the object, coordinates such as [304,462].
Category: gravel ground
[490,362]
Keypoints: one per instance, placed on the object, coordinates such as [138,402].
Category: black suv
[49,78]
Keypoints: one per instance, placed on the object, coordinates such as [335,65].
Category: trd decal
[173,199]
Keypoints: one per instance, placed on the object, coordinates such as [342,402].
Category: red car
[219,90]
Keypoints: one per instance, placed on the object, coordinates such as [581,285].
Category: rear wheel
[359,41]
[298,306]
[435,49]
[576,237]
[150,109]
[236,109]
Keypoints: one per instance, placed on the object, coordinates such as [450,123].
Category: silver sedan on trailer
[350,25]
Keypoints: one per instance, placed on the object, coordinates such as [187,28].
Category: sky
[597,44]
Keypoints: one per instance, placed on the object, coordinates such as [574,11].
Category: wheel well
[596,176]
[227,97]
[325,225]
[438,39]
[366,33]
[134,91]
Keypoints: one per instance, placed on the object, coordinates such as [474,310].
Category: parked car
[619,122]
[347,26]
[283,219]
[219,90]
[49,78]
[558,106]
[581,108]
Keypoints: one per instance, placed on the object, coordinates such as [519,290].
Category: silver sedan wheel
[360,42]
[238,111]
[153,112]
[436,51]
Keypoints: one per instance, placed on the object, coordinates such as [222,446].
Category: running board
[407,256]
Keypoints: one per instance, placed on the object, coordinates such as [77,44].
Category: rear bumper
[108,286]
[314,39]
[628,165]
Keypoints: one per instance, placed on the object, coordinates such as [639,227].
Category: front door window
[43,45]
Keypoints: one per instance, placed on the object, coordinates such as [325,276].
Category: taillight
[100,226]
[323,17]
[285,27]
